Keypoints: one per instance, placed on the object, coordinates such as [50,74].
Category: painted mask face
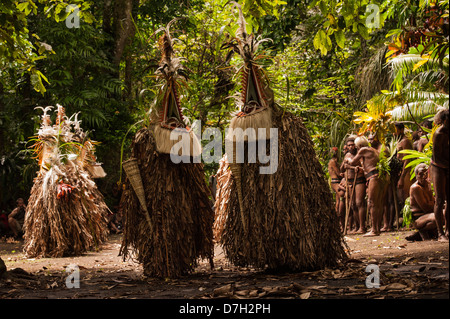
[171,115]
[171,74]
[254,99]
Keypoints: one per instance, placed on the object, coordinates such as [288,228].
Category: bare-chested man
[439,173]
[422,203]
[404,181]
[388,201]
[359,193]
[420,144]
[415,137]
[335,174]
[376,186]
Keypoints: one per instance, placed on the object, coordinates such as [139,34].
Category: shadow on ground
[407,271]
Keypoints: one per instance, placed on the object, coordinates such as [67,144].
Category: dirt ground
[408,270]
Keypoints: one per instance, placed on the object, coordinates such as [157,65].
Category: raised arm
[356,161]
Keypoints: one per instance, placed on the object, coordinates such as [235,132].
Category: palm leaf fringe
[57,228]
[179,208]
[290,220]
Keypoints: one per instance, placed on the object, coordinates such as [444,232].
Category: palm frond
[383,163]
[417,95]
[418,110]
[416,158]
[405,66]
[338,133]
[405,62]
[428,78]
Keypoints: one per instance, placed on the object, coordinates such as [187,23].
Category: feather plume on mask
[278,220]
[167,213]
[256,97]
[66,213]
[169,116]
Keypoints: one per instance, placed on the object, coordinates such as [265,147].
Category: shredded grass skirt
[57,228]
[180,212]
[289,222]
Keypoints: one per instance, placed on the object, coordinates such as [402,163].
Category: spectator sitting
[422,205]
[16,218]
[4,227]
[115,221]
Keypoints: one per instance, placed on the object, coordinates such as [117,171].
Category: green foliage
[325,62]
[383,163]
[416,158]
[321,88]
[20,47]
[346,17]
[407,213]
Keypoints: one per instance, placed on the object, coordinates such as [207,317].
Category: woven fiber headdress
[172,77]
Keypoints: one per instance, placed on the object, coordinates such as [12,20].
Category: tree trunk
[2,132]
[127,94]
[2,267]
[123,26]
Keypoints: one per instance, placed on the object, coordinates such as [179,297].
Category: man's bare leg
[439,180]
[342,211]
[14,226]
[447,197]
[360,194]
[375,190]
[350,221]
[355,224]
[335,188]
[424,224]
[389,210]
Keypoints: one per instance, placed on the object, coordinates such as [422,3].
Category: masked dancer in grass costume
[282,218]
[66,213]
[167,211]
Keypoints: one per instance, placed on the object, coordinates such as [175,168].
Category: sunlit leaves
[376,118]
[340,38]
[415,157]
[346,17]
[322,42]
[254,10]
[27,7]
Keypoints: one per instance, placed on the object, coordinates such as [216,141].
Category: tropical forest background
[344,67]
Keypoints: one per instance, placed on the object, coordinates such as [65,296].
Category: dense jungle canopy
[327,60]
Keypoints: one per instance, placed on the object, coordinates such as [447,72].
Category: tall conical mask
[170,119]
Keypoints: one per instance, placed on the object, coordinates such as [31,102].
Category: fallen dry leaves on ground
[405,274]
